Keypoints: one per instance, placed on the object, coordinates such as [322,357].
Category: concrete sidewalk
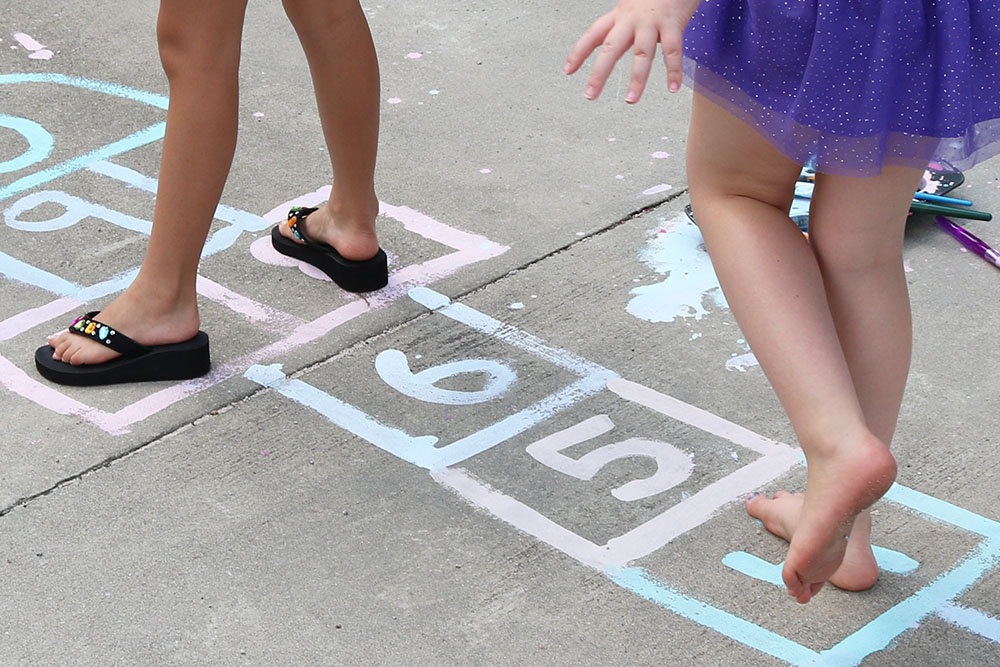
[530,449]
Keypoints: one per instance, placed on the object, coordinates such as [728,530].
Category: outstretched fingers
[589,41]
[643,53]
[673,56]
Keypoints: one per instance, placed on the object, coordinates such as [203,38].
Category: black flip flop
[354,276]
[138,363]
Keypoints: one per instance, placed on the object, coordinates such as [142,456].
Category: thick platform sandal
[138,363]
[351,275]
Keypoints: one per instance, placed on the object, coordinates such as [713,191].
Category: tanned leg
[200,50]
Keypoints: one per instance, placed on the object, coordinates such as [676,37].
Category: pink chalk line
[469,248]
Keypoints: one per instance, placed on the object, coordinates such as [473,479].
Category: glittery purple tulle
[857,83]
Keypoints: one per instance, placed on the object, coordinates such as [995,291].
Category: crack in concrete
[24,501]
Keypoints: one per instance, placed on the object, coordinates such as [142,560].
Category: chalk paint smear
[690,289]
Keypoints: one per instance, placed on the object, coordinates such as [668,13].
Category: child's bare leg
[200,50]
[857,235]
[338,45]
[741,188]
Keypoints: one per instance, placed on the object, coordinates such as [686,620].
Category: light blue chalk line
[40,143]
[152,99]
[128,176]
[972,620]
[76,209]
[416,450]
[131,142]
[882,631]
[638,581]
[474,319]
[943,511]
[110,286]
[507,428]
[245,220]
[22,272]
[758,568]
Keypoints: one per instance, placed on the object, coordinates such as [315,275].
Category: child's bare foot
[780,515]
[842,481]
[352,241]
[139,316]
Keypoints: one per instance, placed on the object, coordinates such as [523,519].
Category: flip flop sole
[176,361]
[354,276]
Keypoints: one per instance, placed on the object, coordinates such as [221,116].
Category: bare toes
[774,514]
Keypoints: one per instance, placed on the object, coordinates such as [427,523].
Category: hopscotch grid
[935,599]
[466,248]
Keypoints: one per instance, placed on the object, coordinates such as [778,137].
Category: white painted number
[673,466]
[394,370]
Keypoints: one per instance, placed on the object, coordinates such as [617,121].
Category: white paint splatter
[435,91]
[517,305]
[611,139]
[619,177]
[394,100]
[679,252]
[742,362]
[258,114]
[695,336]
[657,189]
[659,155]
[906,266]
[414,55]
[485,171]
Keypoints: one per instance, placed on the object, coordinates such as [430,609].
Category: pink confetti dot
[485,171]
[414,55]
[394,100]
[659,155]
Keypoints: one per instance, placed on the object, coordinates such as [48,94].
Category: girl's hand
[639,24]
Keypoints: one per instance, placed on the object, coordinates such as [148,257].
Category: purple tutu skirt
[855,84]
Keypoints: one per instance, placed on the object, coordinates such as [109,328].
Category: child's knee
[319,14]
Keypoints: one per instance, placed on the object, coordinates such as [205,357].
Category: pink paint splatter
[258,114]
[414,55]
[659,155]
[485,171]
[38,51]
[610,139]
[394,100]
[906,266]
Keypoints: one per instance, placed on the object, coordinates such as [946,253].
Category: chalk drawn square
[291,332]
[939,598]
[619,557]
[424,450]
[772,460]
[606,465]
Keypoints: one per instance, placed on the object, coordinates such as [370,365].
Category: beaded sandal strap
[296,217]
[86,325]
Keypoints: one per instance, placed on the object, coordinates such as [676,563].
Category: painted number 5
[672,465]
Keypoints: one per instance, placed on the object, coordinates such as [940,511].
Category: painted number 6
[672,465]
[394,370]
